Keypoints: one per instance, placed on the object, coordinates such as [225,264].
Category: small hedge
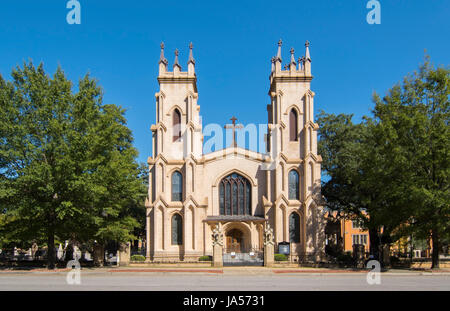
[394,260]
[205,258]
[345,259]
[281,257]
[137,258]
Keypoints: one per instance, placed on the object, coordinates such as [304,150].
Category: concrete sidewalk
[226,270]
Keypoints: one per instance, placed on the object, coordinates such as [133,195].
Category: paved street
[228,281]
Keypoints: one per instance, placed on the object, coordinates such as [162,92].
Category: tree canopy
[67,163]
[392,169]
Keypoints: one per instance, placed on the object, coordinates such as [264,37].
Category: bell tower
[177,133]
[292,137]
[292,108]
[177,147]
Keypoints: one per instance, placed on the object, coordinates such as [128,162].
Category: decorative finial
[162,59]
[292,56]
[176,59]
[307,56]
[280,43]
[191,56]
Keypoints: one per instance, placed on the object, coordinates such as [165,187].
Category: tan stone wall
[289,89]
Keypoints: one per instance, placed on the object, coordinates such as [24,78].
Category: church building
[240,191]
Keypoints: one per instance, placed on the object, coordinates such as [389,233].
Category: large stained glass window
[235,195]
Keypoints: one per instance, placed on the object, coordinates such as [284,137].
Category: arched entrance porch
[238,249]
[242,238]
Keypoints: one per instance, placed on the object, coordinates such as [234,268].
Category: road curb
[167,270]
[225,271]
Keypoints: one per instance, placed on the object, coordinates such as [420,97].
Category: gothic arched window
[176,125]
[293,125]
[235,195]
[177,186]
[294,228]
[294,185]
[177,230]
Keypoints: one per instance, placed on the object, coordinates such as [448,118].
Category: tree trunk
[51,256]
[435,253]
[374,244]
[385,255]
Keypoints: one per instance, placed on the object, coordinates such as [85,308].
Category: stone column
[124,252]
[269,255]
[99,254]
[358,255]
[34,249]
[217,255]
[268,247]
[217,237]
[147,236]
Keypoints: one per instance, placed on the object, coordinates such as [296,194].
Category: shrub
[137,258]
[345,258]
[281,257]
[205,258]
[333,250]
[394,260]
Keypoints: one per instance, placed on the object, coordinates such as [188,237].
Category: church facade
[240,191]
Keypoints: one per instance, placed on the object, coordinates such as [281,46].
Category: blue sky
[118,43]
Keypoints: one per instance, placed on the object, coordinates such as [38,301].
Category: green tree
[353,177]
[412,130]
[394,166]
[137,210]
[67,164]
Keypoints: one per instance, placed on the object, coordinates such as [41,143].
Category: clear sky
[118,43]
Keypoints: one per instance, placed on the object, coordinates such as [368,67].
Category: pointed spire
[175,63]
[307,56]
[273,64]
[292,56]
[280,43]
[191,55]
[162,59]
[307,60]
[191,61]
[292,64]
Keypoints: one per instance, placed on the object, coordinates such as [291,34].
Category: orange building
[352,233]
[346,232]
